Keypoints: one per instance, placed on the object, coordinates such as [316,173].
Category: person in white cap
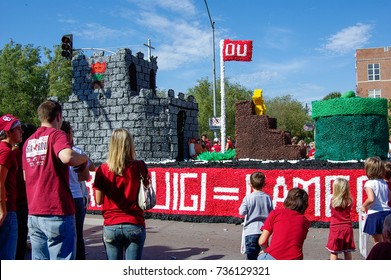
[10,135]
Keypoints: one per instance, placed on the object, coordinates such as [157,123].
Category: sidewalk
[174,240]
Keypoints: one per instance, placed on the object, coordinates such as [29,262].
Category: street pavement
[176,240]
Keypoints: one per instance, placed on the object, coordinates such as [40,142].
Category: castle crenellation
[119,91]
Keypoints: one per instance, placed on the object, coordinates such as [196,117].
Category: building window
[374,72]
[374,93]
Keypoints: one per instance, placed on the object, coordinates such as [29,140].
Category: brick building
[373,72]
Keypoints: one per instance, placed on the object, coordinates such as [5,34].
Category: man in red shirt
[46,157]
[10,135]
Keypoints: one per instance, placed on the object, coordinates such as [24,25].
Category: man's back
[47,178]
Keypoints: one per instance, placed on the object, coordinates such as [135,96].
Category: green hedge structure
[351,128]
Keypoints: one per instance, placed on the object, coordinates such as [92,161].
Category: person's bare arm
[99,196]
[91,166]
[370,199]
[263,240]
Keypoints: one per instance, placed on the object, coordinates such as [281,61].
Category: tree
[60,75]
[202,93]
[291,116]
[23,82]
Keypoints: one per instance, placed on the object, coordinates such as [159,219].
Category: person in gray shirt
[256,206]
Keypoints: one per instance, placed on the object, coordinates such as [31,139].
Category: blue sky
[303,48]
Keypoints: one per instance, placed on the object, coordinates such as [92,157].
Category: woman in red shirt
[116,187]
[289,228]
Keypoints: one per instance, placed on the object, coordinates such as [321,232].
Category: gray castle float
[119,91]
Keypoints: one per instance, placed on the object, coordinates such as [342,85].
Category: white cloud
[95,31]
[184,41]
[348,39]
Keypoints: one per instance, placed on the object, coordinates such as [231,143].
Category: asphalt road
[175,240]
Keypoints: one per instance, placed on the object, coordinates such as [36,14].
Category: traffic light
[66,46]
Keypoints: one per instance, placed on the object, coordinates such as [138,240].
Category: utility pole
[212,24]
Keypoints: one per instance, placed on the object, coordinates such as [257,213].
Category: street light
[212,24]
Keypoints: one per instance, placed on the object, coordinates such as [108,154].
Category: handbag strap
[141,177]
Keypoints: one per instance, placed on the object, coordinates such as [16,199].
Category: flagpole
[222,86]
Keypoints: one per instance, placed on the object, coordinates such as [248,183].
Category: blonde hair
[374,168]
[341,193]
[121,151]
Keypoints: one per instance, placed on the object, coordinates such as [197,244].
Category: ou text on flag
[237,50]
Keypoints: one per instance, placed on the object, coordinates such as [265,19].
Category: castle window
[374,93]
[374,72]
[152,81]
[133,77]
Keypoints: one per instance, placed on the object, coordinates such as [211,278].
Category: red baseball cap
[8,122]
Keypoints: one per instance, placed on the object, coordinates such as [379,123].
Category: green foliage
[60,75]
[331,95]
[25,81]
[203,93]
[291,116]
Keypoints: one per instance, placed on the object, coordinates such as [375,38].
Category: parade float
[347,130]
[212,191]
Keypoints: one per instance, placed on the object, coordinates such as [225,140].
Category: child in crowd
[257,207]
[341,238]
[216,146]
[205,142]
[378,196]
[288,228]
[387,177]
[311,151]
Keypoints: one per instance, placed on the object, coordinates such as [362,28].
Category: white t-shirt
[380,190]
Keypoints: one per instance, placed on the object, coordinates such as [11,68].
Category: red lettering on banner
[239,50]
[220,191]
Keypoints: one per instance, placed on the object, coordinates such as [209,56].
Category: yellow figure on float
[260,107]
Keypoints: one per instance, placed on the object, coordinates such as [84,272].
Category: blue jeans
[8,236]
[52,237]
[266,257]
[252,246]
[128,237]
[80,216]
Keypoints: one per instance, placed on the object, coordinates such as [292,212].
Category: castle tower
[119,91]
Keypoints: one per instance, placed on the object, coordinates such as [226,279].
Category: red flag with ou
[237,50]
